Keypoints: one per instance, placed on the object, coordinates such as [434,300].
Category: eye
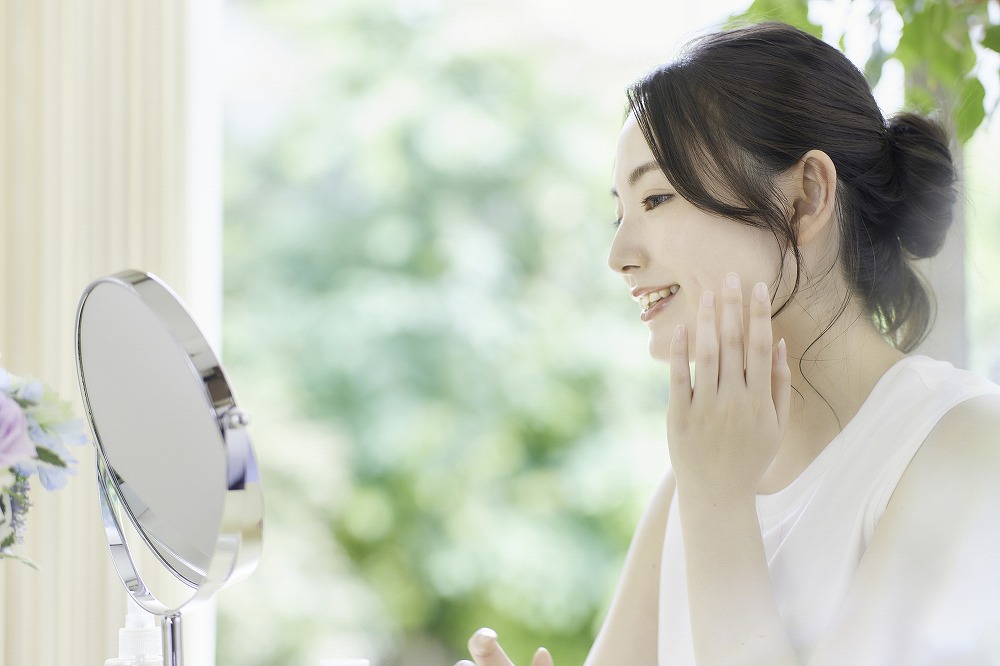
[617,222]
[654,200]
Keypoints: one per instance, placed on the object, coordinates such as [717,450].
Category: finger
[485,649]
[760,354]
[542,658]
[464,662]
[731,353]
[781,384]
[680,375]
[706,348]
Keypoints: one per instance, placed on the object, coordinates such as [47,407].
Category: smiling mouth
[649,300]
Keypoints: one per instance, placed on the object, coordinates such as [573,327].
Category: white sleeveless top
[816,530]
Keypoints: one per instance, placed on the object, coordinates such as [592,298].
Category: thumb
[542,658]
[485,649]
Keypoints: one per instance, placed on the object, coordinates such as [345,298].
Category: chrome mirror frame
[238,544]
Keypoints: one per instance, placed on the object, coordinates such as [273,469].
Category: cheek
[744,250]
[703,250]
[684,310]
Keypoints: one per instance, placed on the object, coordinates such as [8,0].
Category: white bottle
[140,642]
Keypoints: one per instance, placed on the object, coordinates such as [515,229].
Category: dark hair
[740,107]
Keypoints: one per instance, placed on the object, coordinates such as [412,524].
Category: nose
[627,254]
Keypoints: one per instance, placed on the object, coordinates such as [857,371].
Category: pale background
[110,153]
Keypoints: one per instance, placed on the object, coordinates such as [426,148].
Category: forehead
[632,152]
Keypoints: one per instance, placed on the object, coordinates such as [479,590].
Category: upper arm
[927,590]
[629,632]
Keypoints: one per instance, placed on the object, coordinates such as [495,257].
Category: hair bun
[925,178]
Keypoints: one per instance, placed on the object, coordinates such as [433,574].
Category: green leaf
[49,456]
[969,111]
[920,99]
[991,38]
[23,560]
[935,47]
[792,12]
[904,7]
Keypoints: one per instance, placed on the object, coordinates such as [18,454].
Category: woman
[832,499]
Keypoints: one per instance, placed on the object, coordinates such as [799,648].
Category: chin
[660,340]
[659,348]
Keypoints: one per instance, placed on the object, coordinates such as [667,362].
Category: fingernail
[679,332]
[708,299]
[732,280]
[782,352]
[760,292]
[483,642]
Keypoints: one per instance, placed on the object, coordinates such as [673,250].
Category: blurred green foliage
[415,267]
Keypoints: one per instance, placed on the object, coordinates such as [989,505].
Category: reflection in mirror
[177,476]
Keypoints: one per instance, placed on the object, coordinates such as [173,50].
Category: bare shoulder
[926,590]
[968,433]
[960,455]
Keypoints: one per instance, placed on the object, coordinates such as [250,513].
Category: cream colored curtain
[105,164]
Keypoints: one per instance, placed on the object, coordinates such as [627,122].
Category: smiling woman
[767,219]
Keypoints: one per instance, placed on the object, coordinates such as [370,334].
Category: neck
[833,373]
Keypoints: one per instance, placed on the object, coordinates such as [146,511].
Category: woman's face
[665,244]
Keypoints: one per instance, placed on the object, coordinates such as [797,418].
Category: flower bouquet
[36,429]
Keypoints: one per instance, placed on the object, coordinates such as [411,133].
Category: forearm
[734,616]
[629,632]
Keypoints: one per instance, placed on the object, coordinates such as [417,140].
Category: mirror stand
[172,645]
[179,489]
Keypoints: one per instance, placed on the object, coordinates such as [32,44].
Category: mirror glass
[177,475]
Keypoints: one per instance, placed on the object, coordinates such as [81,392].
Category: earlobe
[815,195]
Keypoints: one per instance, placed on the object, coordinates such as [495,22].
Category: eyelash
[647,205]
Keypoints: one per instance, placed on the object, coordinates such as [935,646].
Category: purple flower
[15,446]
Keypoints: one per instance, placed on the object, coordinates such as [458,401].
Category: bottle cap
[140,637]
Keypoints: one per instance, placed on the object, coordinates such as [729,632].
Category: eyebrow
[638,173]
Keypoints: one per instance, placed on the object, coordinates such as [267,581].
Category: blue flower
[54,462]
[30,392]
[15,442]
[36,431]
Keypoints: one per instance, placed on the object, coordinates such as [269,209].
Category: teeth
[648,299]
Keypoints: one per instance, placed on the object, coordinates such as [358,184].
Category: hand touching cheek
[724,431]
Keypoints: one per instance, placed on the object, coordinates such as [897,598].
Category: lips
[653,301]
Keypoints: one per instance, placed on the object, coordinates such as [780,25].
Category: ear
[812,194]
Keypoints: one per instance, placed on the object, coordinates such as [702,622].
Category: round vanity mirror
[177,477]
